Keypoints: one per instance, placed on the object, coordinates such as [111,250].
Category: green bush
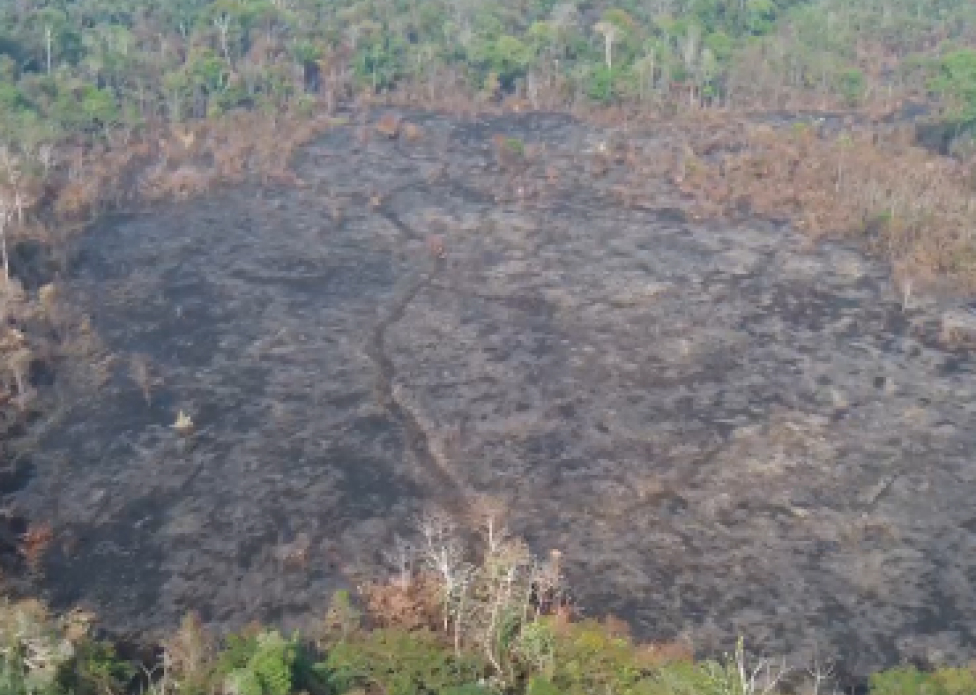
[852,85]
[955,82]
[96,670]
[400,663]
[268,668]
[469,689]
[541,686]
[515,146]
[910,681]
[32,652]
[587,659]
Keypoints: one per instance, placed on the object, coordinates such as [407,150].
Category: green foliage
[262,665]
[707,678]
[760,16]
[378,62]
[536,648]
[86,65]
[851,84]
[11,98]
[468,689]
[96,670]
[721,45]
[32,652]
[955,81]
[587,659]
[342,619]
[514,146]
[600,84]
[547,658]
[400,663]
[910,681]
[539,685]
[506,56]
[237,652]
[86,108]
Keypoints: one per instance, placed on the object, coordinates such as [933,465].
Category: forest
[104,70]
[862,112]
[120,85]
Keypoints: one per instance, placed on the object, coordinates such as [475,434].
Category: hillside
[678,288]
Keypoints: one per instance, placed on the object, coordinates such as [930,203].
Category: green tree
[507,57]
[955,82]
[851,84]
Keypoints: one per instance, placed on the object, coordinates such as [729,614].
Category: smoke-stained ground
[724,433]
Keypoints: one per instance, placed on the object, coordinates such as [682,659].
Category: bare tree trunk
[4,218]
[49,40]
[223,26]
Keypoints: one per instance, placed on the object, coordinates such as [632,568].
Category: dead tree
[5,217]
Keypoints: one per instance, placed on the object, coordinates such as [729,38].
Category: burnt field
[724,432]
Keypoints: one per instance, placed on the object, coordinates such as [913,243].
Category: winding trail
[418,439]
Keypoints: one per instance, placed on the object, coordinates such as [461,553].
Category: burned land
[725,430]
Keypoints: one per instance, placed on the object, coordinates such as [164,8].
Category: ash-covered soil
[725,433]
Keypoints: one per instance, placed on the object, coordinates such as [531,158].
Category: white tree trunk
[4,217]
[49,40]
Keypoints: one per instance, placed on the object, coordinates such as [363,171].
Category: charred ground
[723,432]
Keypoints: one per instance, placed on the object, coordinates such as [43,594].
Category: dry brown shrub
[230,158]
[659,654]
[76,199]
[48,295]
[293,555]
[435,246]
[183,182]
[389,125]
[905,203]
[958,329]
[414,605]
[412,132]
[189,653]
[34,544]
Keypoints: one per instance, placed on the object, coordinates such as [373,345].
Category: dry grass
[170,162]
[916,209]
[163,163]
